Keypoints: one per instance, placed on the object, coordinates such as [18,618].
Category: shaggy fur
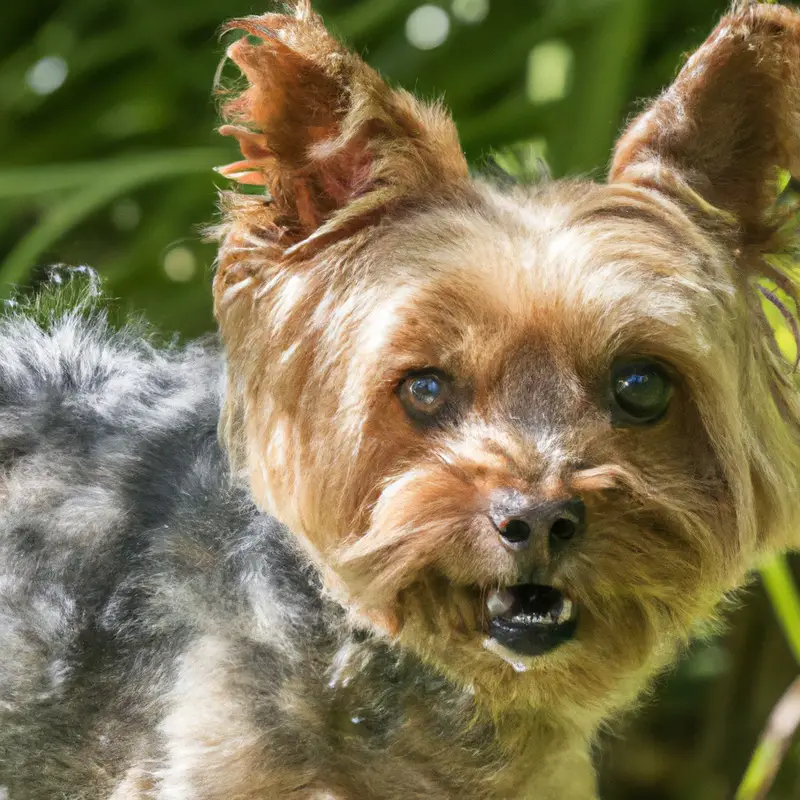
[162,636]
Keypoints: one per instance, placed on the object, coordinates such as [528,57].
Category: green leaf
[102,181]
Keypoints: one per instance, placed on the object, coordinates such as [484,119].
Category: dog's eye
[423,395]
[641,392]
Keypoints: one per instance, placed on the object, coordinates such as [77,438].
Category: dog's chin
[529,619]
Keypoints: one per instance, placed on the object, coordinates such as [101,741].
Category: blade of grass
[54,224]
[598,101]
[70,211]
[785,598]
[41,179]
[362,18]
[766,761]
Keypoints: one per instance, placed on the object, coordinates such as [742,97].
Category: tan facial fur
[378,256]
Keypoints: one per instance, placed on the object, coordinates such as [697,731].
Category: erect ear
[325,135]
[728,123]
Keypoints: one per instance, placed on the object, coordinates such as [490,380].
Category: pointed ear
[728,123]
[325,135]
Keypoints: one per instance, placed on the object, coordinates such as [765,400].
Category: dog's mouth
[530,619]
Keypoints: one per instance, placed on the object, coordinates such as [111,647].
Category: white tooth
[566,611]
[532,619]
[499,601]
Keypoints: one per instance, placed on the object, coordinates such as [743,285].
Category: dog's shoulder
[113,483]
[101,432]
[69,379]
[124,538]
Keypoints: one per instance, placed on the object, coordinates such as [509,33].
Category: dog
[472,464]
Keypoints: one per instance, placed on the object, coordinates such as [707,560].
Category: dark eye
[641,391]
[423,395]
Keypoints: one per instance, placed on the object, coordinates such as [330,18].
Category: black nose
[558,521]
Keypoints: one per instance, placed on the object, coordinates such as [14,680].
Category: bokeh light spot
[47,75]
[180,264]
[470,11]
[427,27]
[549,71]
[126,214]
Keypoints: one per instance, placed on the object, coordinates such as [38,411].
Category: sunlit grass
[784,596]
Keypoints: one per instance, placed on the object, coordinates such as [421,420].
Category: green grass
[784,596]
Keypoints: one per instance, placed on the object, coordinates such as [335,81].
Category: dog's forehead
[578,264]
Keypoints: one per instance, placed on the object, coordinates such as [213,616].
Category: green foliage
[112,167]
[785,598]
[107,138]
[782,590]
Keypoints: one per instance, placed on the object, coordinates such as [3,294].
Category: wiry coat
[162,638]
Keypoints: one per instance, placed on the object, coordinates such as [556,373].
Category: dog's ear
[334,148]
[325,135]
[730,121]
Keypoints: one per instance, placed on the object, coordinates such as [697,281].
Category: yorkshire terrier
[475,464]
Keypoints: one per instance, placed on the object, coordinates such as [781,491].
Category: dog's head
[533,433]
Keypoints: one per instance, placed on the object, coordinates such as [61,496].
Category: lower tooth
[532,619]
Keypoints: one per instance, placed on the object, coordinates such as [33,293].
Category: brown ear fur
[335,148]
[728,122]
[326,136]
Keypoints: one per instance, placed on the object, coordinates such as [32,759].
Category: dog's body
[525,440]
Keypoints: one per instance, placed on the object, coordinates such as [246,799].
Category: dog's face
[537,433]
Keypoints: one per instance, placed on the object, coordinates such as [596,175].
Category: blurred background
[106,147]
